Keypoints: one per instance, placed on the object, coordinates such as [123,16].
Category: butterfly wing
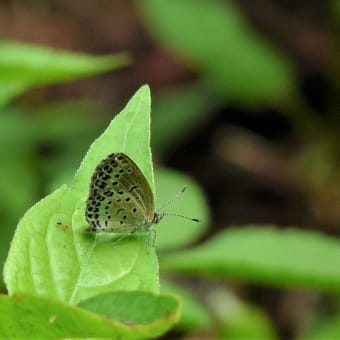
[120,196]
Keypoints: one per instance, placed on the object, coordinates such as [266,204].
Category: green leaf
[9,89]
[67,263]
[175,231]
[194,315]
[134,307]
[238,63]
[289,257]
[23,66]
[25,316]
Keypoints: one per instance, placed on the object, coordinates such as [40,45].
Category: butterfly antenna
[173,199]
[182,216]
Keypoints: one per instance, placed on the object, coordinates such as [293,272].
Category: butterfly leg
[152,237]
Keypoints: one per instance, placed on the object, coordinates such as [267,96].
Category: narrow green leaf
[267,255]
[25,316]
[64,262]
[236,61]
[11,89]
[23,66]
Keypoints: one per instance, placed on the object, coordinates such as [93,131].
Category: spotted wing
[120,196]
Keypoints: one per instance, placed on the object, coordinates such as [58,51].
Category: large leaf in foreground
[65,262]
[25,316]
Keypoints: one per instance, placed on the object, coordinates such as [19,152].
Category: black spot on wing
[133,188]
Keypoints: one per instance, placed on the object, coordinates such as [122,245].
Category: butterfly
[120,198]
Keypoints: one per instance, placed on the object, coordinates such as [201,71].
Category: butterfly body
[120,199]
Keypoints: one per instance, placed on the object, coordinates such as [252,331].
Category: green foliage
[291,257]
[23,66]
[65,263]
[68,265]
[26,316]
[236,62]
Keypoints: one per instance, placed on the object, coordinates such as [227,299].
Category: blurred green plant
[23,66]
[264,254]
[235,62]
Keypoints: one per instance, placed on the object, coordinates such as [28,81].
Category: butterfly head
[157,217]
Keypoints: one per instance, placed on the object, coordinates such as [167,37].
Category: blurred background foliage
[245,101]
